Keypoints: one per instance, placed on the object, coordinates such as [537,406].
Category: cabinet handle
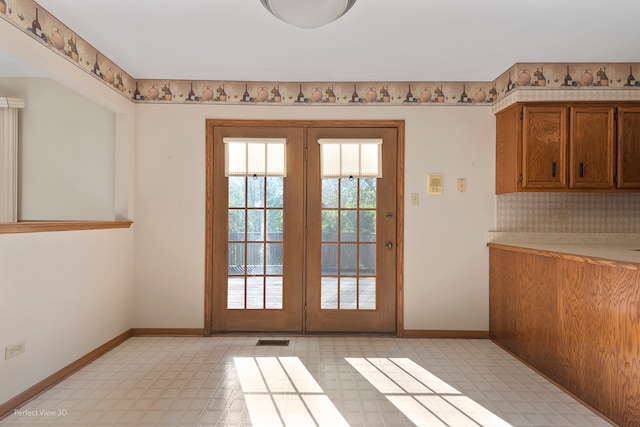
[554,169]
[581,170]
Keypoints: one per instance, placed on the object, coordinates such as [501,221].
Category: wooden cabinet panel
[624,333]
[544,147]
[575,320]
[563,146]
[520,285]
[585,350]
[508,129]
[591,147]
[629,147]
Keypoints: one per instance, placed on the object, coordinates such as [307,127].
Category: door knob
[389,245]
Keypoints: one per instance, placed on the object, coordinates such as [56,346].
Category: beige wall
[446,261]
[67,150]
[66,293]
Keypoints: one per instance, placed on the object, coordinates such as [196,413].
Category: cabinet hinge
[521,115]
[615,116]
[520,178]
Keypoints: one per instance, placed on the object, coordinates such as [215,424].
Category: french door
[351,257]
[299,252]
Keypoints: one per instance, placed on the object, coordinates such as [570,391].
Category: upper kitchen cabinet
[591,147]
[628,147]
[568,147]
[544,147]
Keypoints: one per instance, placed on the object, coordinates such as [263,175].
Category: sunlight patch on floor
[424,398]
[281,391]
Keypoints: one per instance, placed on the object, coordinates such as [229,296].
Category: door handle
[554,169]
[581,170]
[389,245]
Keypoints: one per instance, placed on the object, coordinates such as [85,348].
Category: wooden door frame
[208,261]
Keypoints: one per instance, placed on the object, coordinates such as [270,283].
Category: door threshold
[276,334]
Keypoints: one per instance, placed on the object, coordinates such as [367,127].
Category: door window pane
[236,225]
[235,292]
[255,192]
[329,259]
[367,293]
[367,263]
[368,193]
[275,191]
[236,259]
[348,294]
[329,293]
[329,226]
[274,225]
[255,225]
[274,292]
[237,191]
[255,258]
[348,260]
[274,258]
[255,292]
[367,226]
[348,226]
[330,192]
[349,193]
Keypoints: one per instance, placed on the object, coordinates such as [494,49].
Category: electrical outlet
[462,185]
[14,350]
[415,199]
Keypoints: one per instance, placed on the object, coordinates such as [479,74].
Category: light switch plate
[14,350]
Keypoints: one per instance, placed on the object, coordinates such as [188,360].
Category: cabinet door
[508,131]
[544,147]
[629,148]
[591,147]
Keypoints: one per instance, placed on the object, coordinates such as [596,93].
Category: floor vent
[278,343]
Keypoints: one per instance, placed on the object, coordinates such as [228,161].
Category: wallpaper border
[521,82]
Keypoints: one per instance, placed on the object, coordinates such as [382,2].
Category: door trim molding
[208,261]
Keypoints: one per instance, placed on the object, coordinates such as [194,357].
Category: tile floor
[325,381]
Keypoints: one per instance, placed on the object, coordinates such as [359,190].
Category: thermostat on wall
[434,184]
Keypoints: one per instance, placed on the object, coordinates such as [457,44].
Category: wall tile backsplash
[568,212]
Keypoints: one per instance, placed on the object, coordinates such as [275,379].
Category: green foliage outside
[336,193]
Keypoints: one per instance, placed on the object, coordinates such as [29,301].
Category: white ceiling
[377,40]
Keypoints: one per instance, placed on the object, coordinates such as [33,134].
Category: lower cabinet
[574,320]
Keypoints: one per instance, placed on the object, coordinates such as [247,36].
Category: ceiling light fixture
[308,13]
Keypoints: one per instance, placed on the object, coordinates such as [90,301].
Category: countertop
[596,247]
